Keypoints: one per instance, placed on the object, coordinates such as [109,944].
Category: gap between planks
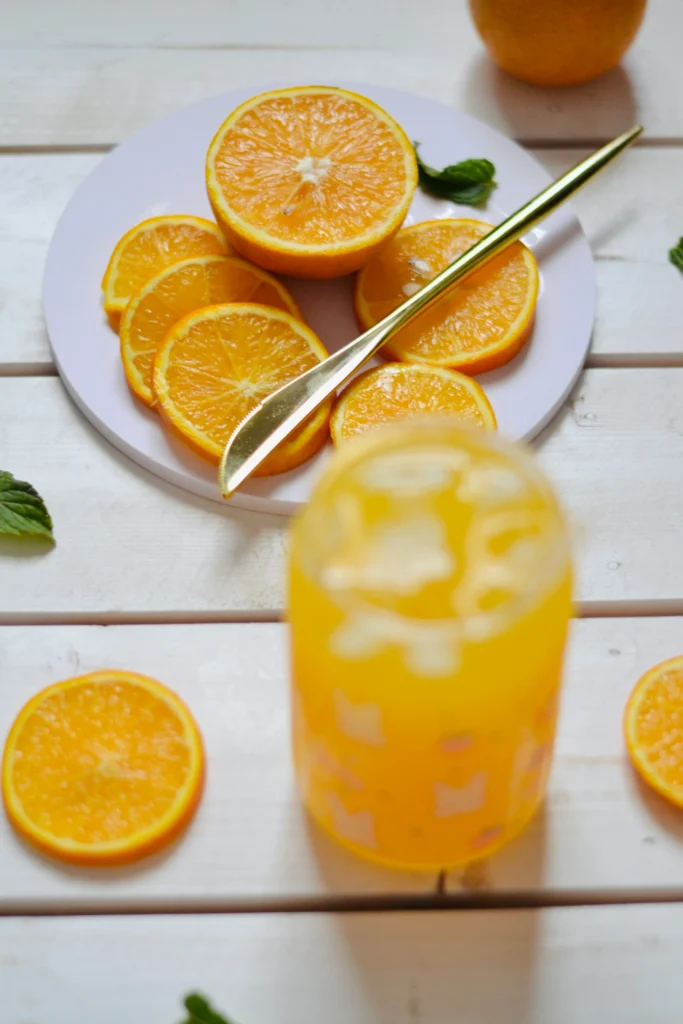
[352,905]
[28,370]
[643,142]
[594,361]
[115,618]
[584,610]
[212,47]
[52,149]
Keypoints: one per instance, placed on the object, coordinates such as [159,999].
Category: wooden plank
[128,544]
[250,842]
[617,965]
[630,229]
[133,548]
[436,24]
[601,835]
[33,192]
[102,93]
[614,453]
[601,831]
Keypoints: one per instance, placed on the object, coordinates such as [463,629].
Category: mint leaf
[200,1012]
[469,183]
[22,510]
[676,254]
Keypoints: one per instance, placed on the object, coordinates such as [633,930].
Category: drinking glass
[429,598]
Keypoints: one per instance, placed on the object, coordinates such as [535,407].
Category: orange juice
[430,592]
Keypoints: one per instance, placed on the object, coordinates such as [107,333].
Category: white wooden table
[581,919]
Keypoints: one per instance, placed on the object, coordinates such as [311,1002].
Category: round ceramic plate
[161,170]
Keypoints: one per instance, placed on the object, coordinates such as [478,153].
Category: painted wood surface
[630,228]
[600,834]
[114,68]
[616,965]
[81,75]
[130,547]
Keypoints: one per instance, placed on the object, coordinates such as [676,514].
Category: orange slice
[653,726]
[478,325]
[397,392]
[310,181]
[148,248]
[179,290]
[218,363]
[102,769]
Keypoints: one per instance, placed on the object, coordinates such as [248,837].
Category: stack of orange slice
[183,288]
[309,181]
[315,182]
[148,248]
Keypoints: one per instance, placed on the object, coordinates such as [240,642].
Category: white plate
[161,170]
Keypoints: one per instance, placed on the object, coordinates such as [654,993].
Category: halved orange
[216,364]
[653,727]
[398,391]
[179,290]
[148,248]
[103,768]
[310,181]
[476,326]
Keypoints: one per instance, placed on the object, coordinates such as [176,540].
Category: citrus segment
[398,391]
[310,181]
[180,289]
[148,248]
[653,725]
[103,768]
[218,363]
[477,325]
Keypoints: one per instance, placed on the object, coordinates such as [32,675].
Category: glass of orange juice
[429,598]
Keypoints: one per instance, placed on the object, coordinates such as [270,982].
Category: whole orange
[557,42]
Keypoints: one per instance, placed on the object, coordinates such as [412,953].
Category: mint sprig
[23,512]
[676,254]
[200,1012]
[469,183]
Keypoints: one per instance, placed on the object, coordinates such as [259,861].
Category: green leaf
[676,254]
[469,183]
[200,1011]
[22,510]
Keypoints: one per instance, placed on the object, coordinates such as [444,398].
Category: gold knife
[272,420]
